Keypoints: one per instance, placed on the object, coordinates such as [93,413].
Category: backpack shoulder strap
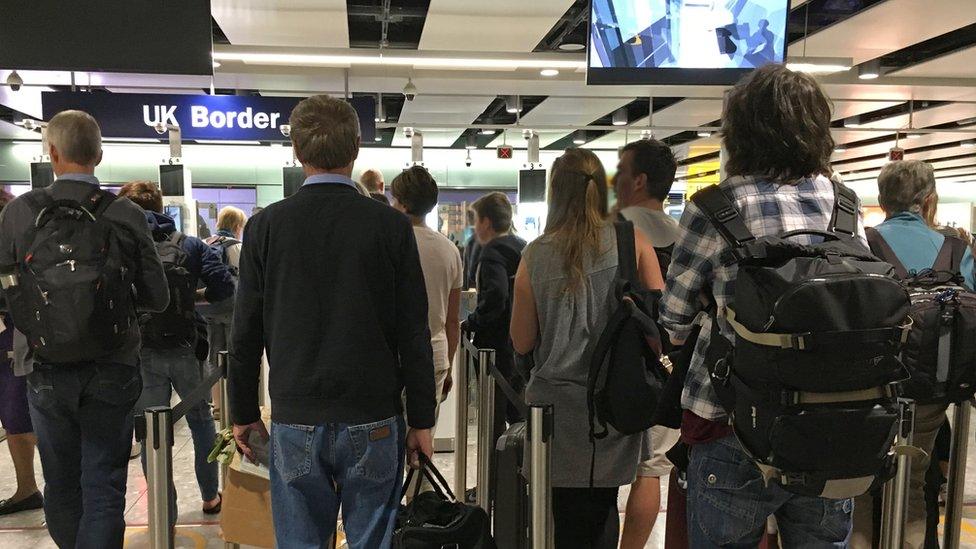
[620,217]
[950,255]
[176,237]
[724,215]
[844,217]
[880,247]
[626,254]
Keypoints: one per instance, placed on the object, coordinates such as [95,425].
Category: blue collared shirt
[327,178]
[916,245]
[85,177]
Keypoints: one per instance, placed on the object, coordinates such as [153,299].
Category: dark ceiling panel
[396,24]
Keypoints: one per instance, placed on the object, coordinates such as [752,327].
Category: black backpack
[941,351]
[663,254]
[811,382]
[73,298]
[176,326]
[223,310]
[626,374]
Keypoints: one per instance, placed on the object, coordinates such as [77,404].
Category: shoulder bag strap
[950,255]
[881,248]
[844,217]
[626,254]
[723,215]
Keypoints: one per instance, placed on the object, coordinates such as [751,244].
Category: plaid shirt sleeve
[691,272]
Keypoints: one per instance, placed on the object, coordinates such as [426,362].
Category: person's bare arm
[648,268]
[525,318]
[453,329]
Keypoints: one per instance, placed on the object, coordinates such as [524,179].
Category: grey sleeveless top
[567,323]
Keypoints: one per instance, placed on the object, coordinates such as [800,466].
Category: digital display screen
[683,41]
[144,36]
[532,186]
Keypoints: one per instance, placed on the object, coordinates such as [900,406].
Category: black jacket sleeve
[493,295]
[247,339]
[215,275]
[413,332]
[152,289]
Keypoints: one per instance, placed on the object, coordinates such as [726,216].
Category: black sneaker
[31,502]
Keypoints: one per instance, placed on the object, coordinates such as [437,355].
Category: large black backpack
[811,382]
[176,326]
[941,351]
[223,310]
[626,374]
[663,253]
[73,297]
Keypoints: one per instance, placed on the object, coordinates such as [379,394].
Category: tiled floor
[197,531]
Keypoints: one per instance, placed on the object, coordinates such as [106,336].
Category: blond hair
[371,179]
[577,209]
[76,135]
[231,219]
[325,132]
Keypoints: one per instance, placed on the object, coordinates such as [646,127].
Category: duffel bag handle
[433,476]
[827,236]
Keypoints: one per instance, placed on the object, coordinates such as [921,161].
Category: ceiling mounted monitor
[683,41]
[141,36]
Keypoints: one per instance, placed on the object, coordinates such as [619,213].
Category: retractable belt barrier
[540,429]
[155,430]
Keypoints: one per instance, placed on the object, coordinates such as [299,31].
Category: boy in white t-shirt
[415,194]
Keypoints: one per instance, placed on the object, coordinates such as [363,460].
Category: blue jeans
[82,415]
[728,504]
[317,467]
[162,371]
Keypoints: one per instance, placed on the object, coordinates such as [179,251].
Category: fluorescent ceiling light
[704,133]
[488,131]
[820,65]
[513,104]
[579,137]
[449,62]
[969,143]
[572,46]
[840,149]
[912,135]
[549,72]
[853,122]
[620,117]
[225,142]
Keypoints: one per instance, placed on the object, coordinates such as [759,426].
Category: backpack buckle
[721,371]
[726,214]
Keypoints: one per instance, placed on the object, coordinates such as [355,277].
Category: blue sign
[211,117]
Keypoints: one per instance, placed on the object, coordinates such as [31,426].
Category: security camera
[15,81]
[408,132]
[410,91]
[527,134]
[467,162]
[285,130]
[160,128]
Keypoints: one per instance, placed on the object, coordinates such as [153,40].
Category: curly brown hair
[777,124]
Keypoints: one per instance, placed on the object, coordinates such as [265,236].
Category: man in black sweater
[331,285]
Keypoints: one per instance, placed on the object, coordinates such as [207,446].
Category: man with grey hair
[906,189]
[372,180]
[81,395]
[331,284]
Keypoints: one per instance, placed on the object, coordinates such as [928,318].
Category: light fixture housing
[869,70]
[647,134]
[853,122]
[471,142]
[380,111]
[488,131]
[704,133]
[620,117]
[820,65]
[378,137]
[969,143]
[549,72]
[912,135]
[572,46]
[579,137]
[840,149]
[513,104]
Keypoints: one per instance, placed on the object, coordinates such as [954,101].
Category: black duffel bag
[436,519]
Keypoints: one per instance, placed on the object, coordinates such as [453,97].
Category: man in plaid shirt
[776,129]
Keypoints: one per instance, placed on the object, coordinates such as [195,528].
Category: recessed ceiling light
[840,149]
[579,138]
[704,133]
[513,104]
[378,137]
[869,70]
[912,135]
[620,117]
[853,122]
[549,72]
[969,143]
[819,65]
[572,46]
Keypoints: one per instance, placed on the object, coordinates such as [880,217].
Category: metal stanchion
[957,474]
[159,474]
[486,426]
[540,482]
[461,423]
[895,493]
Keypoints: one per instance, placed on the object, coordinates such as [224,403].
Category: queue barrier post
[222,365]
[486,424]
[895,492]
[957,474]
[159,475]
[461,422]
[540,429]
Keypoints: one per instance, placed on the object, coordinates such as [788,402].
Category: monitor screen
[532,186]
[683,41]
[143,36]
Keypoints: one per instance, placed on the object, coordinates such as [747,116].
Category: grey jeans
[928,421]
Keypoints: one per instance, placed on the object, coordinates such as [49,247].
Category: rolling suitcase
[511,504]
